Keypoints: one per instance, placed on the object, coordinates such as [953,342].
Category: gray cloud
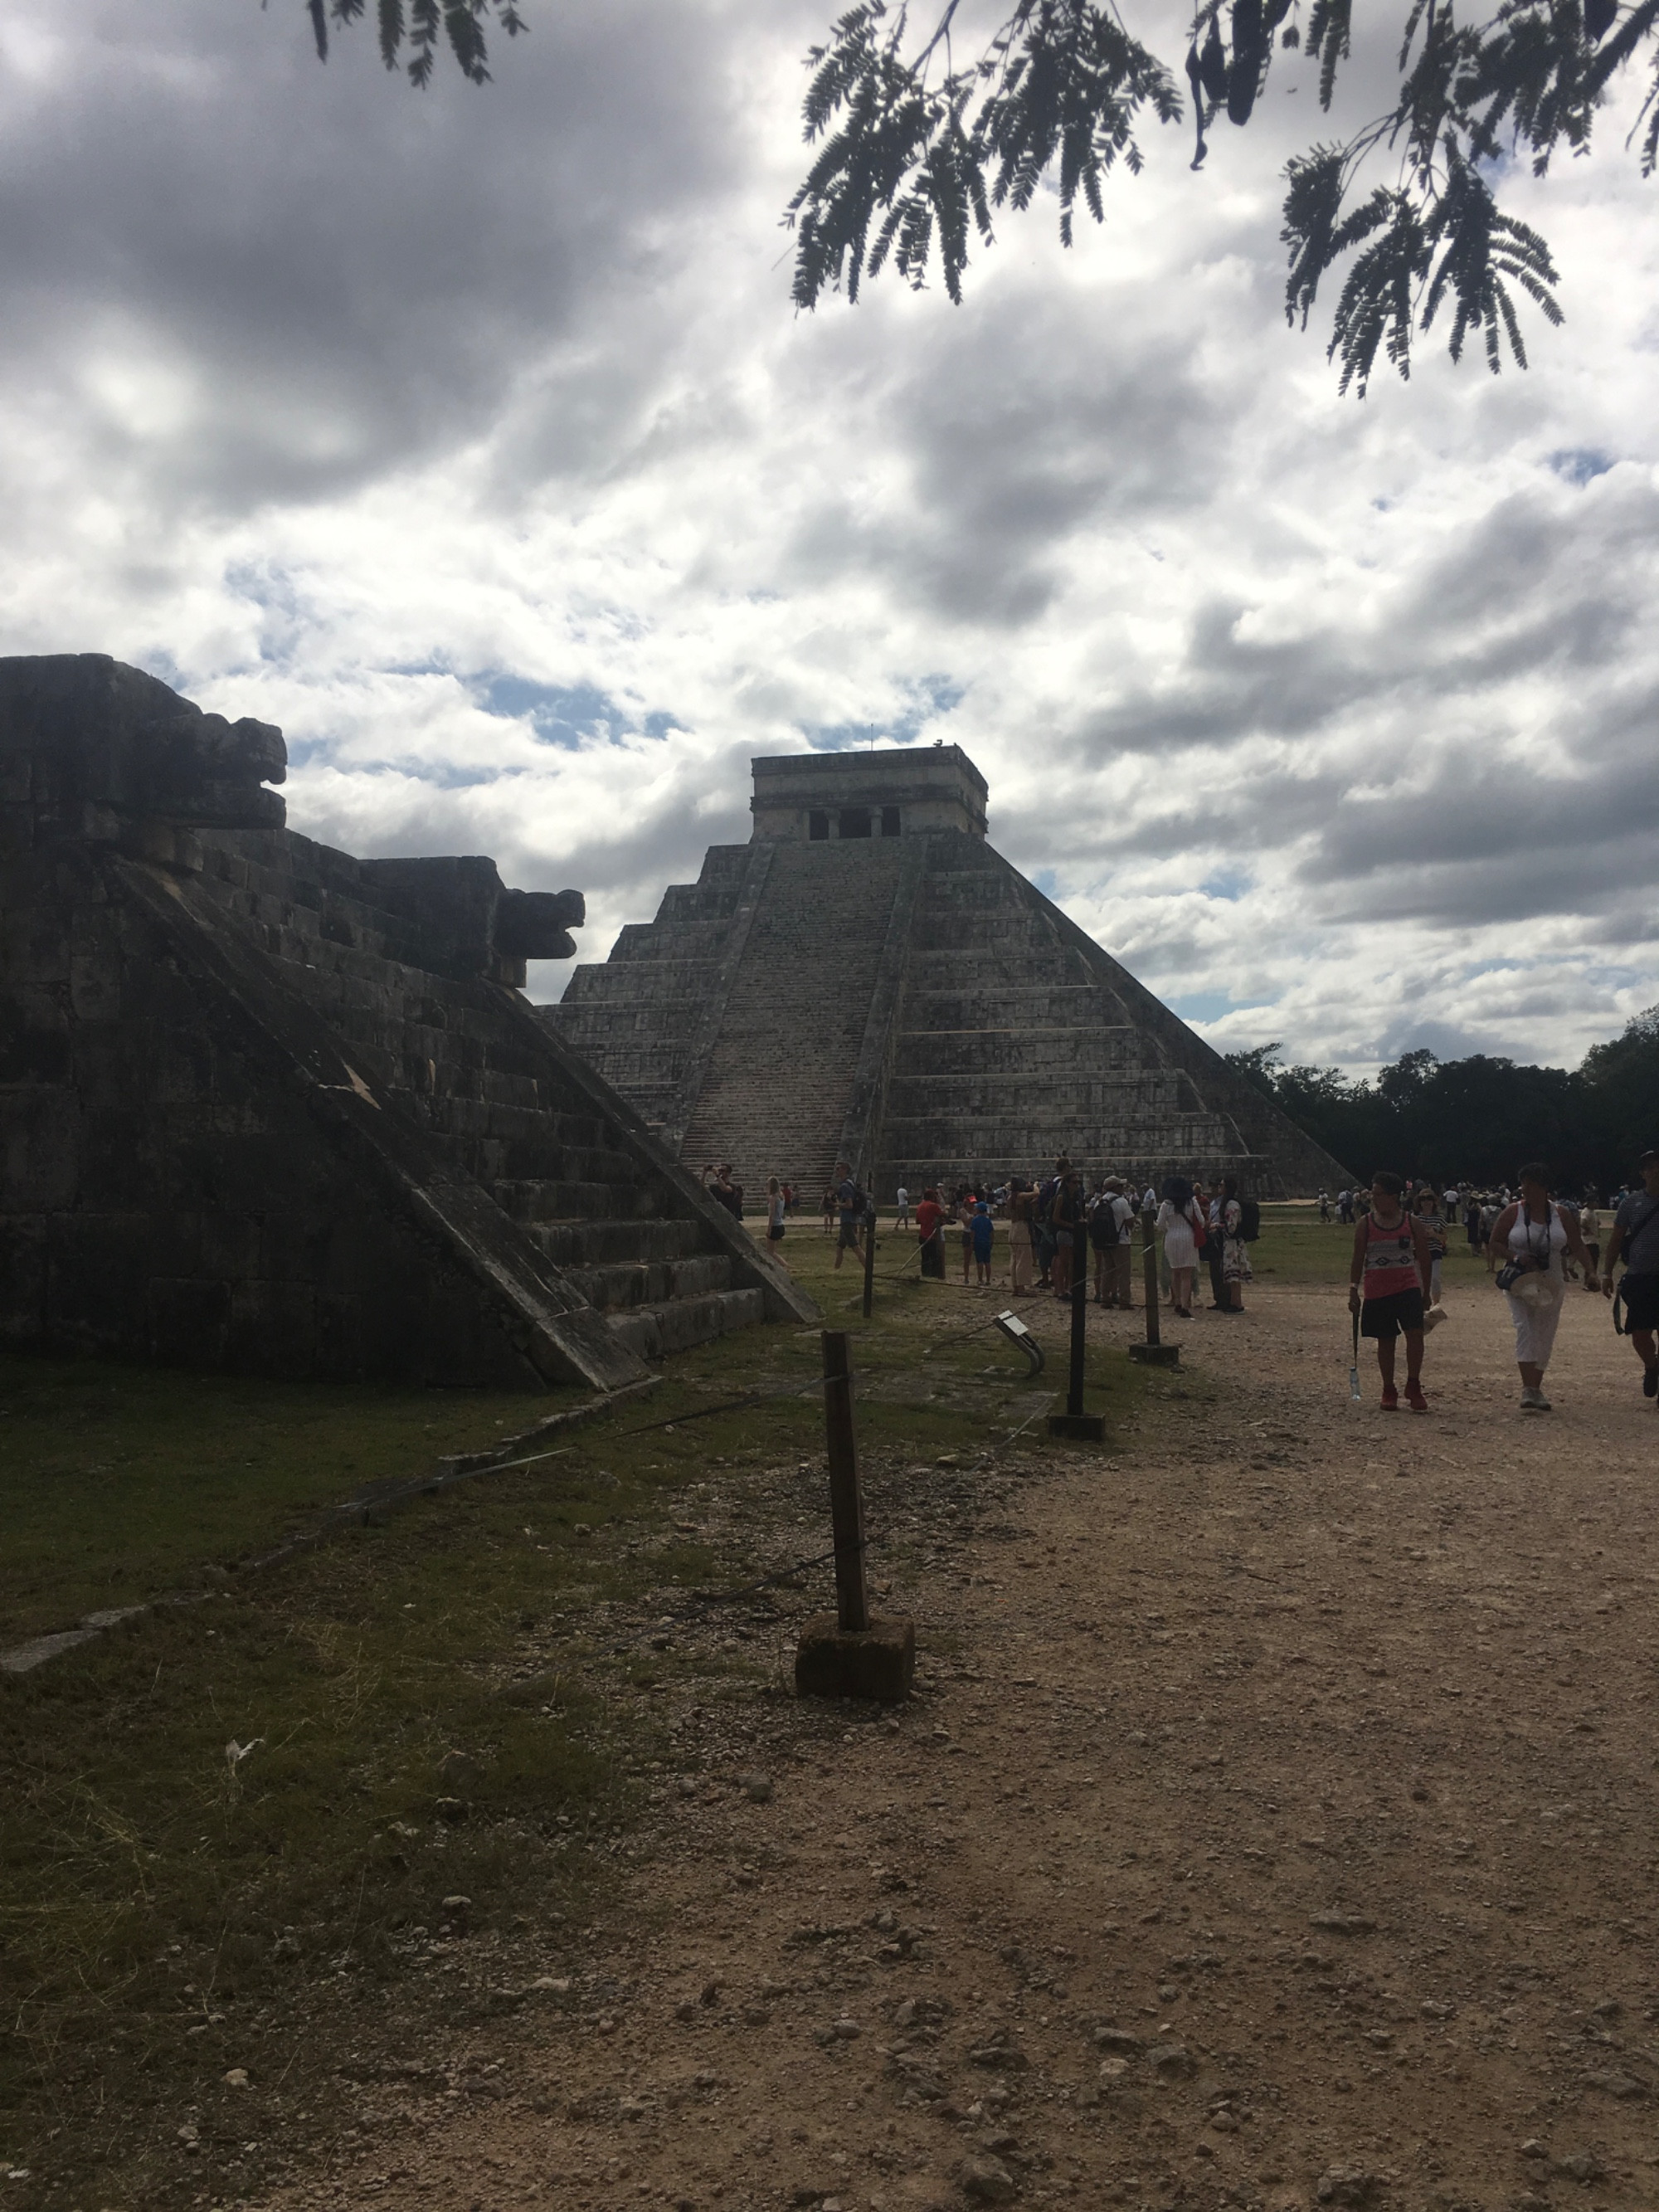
[394,418]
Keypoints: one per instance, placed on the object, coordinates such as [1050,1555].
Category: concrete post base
[1155,1355]
[877,1663]
[1082,1428]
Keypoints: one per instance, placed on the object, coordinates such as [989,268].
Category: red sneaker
[1415,1399]
[1390,1399]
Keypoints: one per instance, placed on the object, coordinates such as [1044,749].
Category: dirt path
[1275,1828]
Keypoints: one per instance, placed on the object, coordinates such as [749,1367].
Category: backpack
[1250,1220]
[1043,1212]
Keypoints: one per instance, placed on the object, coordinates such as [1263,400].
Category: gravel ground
[1274,1827]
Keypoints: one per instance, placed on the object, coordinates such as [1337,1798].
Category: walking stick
[1353,1372]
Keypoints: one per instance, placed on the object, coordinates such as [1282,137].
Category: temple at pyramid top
[904,793]
[868,979]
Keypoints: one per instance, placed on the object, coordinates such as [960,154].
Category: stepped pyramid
[271,1109]
[868,979]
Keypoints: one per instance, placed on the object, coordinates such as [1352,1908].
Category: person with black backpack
[1636,1238]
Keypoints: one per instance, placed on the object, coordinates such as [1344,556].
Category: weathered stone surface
[877,1663]
[272,1108]
[868,978]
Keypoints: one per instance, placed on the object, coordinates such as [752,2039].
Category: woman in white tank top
[1535,1232]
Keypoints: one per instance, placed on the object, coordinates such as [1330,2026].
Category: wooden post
[1080,1427]
[870,1256]
[845,1654]
[1080,1320]
[1149,1263]
[846,1505]
[1154,1353]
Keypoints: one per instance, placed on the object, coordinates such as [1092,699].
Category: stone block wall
[271,1108]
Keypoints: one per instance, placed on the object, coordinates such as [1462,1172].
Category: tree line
[1478,1119]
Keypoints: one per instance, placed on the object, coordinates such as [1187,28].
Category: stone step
[1036,1142]
[601,1241]
[543,1199]
[623,1284]
[653,1332]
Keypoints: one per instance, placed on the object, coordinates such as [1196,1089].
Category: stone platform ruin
[868,979]
[273,1110]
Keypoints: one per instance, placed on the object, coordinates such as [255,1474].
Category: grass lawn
[117,1483]
[1296,1247]
[160,1897]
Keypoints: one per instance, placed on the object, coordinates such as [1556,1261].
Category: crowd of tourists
[1070,1225]
[1534,1245]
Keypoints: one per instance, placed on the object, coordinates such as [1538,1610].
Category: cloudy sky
[471,436]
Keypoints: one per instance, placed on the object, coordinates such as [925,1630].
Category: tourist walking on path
[982,1229]
[850,1204]
[1236,1268]
[965,1222]
[1589,1228]
[1635,1239]
[1021,1251]
[1528,1241]
[830,1210]
[1388,1286]
[902,1218]
[1123,1213]
[1214,1241]
[1178,1224]
[930,1231]
[1102,1242]
[1429,1212]
[777,1206]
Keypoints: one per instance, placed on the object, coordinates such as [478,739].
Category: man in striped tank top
[1389,1286]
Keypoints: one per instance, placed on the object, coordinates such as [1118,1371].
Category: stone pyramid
[868,979]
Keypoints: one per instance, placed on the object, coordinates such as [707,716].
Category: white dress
[1180,1245]
[1535,1325]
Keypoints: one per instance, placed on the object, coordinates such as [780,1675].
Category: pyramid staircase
[787,949]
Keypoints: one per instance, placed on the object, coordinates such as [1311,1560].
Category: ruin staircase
[782,1068]
[566,1168]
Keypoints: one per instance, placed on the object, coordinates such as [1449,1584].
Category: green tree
[918,147]
[1480,1117]
[1622,1078]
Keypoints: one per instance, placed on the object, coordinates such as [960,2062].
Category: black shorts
[1387,1318]
[774,1234]
[1639,1295]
